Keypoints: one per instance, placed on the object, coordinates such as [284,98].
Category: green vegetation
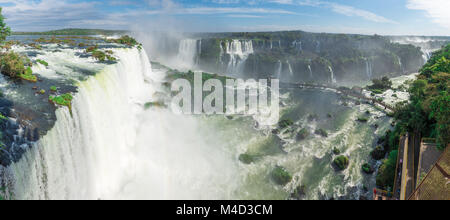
[363,119]
[2,192]
[54,40]
[336,151]
[429,107]
[154,104]
[321,132]
[28,75]
[74,32]
[53,88]
[380,85]
[91,49]
[4,30]
[8,44]
[42,62]
[426,112]
[247,158]
[285,123]
[367,168]
[341,162]
[100,55]
[386,173]
[125,40]
[16,66]
[280,176]
[62,100]
[302,134]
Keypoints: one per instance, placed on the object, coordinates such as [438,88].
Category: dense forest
[426,113]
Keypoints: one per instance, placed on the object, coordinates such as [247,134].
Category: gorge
[116,141]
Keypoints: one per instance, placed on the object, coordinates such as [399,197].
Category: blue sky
[396,17]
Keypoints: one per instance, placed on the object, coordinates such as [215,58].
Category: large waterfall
[238,52]
[109,147]
[188,53]
[369,68]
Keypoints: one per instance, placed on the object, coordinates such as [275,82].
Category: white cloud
[285,2]
[437,10]
[46,14]
[226,1]
[347,10]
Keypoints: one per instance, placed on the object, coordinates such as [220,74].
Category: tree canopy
[4,30]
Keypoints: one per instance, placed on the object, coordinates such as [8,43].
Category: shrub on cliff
[380,85]
[12,64]
[367,168]
[285,123]
[62,100]
[126,40]
[429,105]
[247,158]
[15,66]
[341,162]
[99,55]
[280,176]
[302,134]
[363,119]
[386,173]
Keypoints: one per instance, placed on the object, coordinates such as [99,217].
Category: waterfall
[187,53]
[111,148]
[310,71]
[332,79]
[369,68]
[279,69]
[199,52]
[297,45]
[401,65]
[318,47]
[290,68]
[238,51]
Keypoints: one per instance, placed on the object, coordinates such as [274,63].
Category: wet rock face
[312,57]
[12,142]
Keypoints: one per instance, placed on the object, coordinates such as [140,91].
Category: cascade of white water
[238,50]
[310,72]
[109,147]
[279,69]
[187,53]
[332,79]
[290,68]
[401,65]
[199,52]
[318,47]
[297,45]
[369,68]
